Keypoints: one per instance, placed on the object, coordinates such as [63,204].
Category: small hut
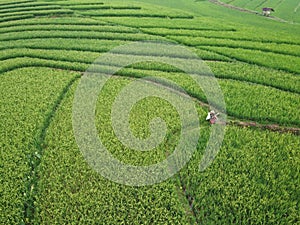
[267,11]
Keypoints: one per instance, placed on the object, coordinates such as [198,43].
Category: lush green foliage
[28,96]
[253,180]
[71,191]
[256,74]
[44,178]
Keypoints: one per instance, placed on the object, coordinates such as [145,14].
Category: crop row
[14,18]
[184,31]
[78,3]
[236,71]
[53,21]
[102,7]
[17,63]
[67,184]
[25,4]
[253,179]
[72,60]
[59,55]
[88,57]
[136,10]
[227,34]
[44,5]
[56,50]
[196,23]
[133,14]
[97,28]
[77,34]
[218,30]
[256,74]
[14,2]
[72,53]
[40,12]
[90,45]
[260,103]
[26,9]
[284,49]
[27,98]
[272,60]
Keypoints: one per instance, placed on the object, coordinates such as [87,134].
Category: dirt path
[233,121]
[270,127]
[245,10]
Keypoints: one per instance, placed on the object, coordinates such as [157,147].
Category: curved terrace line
[15,18]
[45,28]
[15,2]
[102,7]
[236,45]
[194,95]
[285,53]
[266,41]
[137,15]
[112,38]
[239,59]
[82,61]
[25,9]
[26,4]
[251,48]
[54,23]
[49,12]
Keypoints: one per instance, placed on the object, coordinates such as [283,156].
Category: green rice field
[45,49]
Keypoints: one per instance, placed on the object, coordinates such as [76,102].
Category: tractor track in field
[36,157]
[217,2]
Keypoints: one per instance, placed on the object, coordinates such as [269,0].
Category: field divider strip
[36,157]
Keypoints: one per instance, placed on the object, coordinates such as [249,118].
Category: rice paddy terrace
[46,46]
